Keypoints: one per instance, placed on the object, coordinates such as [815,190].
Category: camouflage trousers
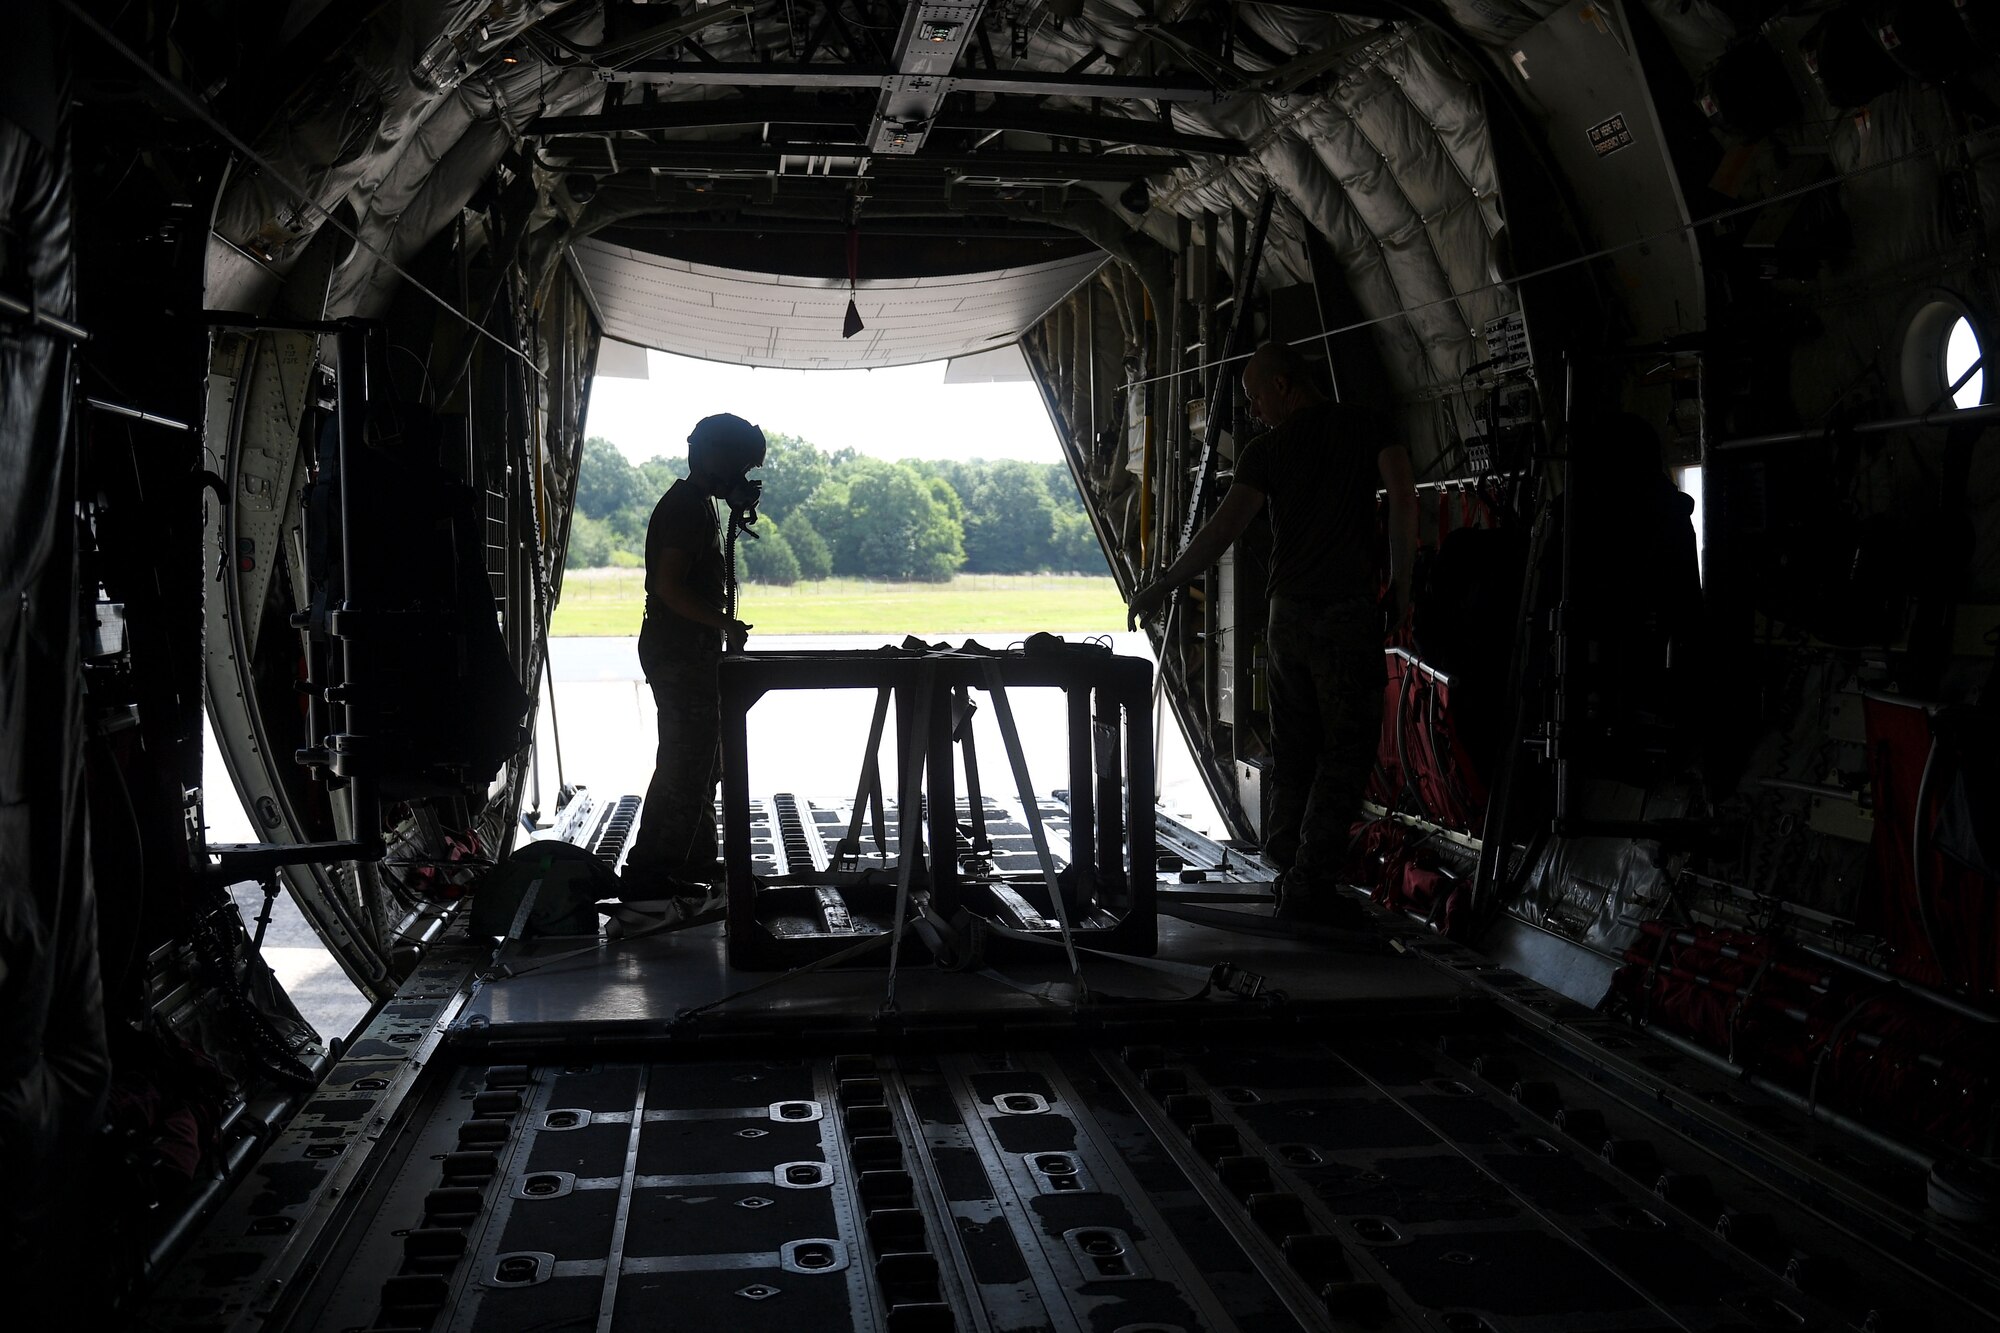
[1326,682]
[676,834]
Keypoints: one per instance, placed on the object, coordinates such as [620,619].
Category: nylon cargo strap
[523,912]
[962,950]
[516,927]
[975,800]
[1031,810]
[867,794]
[507,972]
[910,819]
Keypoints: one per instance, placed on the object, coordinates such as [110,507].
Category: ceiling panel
[793,323]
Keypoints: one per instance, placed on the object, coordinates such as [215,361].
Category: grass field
[609,602]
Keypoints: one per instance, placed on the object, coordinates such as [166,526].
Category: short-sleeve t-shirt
[683,520]
[1318,473]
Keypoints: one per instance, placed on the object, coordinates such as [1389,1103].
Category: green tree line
[827,514]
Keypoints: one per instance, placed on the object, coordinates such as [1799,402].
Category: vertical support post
[318,644]
[1134,696]
[1562,726]
[1210,244]
[1229,378]
[1148,488]
[1239,232]
[1087,446]
[1239,327]
[357,720]
[1082,792]
[1110,771]
[909,829]
[940,788]
[1166,512]
[734,697]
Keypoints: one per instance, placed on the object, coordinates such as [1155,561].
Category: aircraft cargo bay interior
[1542,457]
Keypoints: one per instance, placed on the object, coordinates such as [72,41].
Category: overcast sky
[906,412]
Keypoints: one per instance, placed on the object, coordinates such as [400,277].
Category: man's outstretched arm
[1231,517]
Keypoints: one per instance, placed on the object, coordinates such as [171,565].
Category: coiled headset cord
[740,520]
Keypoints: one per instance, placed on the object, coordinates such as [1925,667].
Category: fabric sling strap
[867,793]
[1031,810]
[975,800]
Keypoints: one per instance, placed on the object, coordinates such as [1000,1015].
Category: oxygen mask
[742,497]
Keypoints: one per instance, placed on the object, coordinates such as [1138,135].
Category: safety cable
[298,192]
[1592,256]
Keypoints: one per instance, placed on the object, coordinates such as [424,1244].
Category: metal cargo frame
[1110,877]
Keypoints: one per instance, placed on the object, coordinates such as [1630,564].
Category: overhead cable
[1665,233]
[202,113]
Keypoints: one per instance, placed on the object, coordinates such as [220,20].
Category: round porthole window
[1943,358]
[1964,364]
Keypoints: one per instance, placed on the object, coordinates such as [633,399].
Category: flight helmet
[722,448]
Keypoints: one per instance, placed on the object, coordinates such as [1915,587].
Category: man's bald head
[1278,383]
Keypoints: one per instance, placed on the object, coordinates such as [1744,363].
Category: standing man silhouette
[686,629]
[1315,469]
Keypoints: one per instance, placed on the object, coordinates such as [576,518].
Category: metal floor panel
[975,1192]
[634,987]
[1225,1183]
[1396,1134]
